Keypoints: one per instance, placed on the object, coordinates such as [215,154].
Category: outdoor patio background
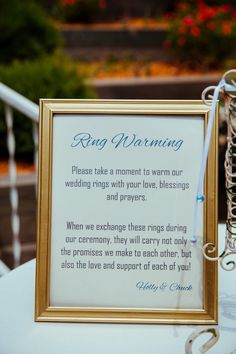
[120,51]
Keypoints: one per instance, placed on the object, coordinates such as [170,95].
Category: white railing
[14,100]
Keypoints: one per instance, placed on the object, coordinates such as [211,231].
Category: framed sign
[116,194]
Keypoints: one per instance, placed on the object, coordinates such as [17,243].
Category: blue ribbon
[200,187]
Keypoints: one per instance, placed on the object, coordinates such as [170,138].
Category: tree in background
[29,65]
[26,32]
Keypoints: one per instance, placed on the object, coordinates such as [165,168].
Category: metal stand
[228,93]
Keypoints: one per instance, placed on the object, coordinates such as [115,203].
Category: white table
[19,334]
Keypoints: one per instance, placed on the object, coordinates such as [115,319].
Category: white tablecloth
[19,334]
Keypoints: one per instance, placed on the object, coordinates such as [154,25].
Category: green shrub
[45,78]
[26,32]
[203,34]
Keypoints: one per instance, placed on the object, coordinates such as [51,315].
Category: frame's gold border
[43,310]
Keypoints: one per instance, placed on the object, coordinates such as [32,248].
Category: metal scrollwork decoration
[228,94]
[215,335]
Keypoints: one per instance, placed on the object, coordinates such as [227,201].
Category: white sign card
[122,186]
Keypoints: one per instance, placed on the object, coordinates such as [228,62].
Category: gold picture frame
[58,293]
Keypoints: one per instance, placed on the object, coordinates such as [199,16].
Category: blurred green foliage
[26,32]
[28,37]
[48,77]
